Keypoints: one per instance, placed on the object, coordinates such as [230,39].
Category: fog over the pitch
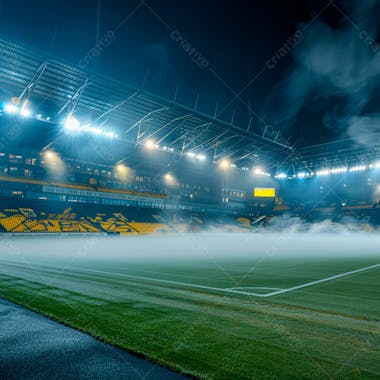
[207,246]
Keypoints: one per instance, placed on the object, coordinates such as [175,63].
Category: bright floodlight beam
[10,108]
[54,163]
[72,124]
[121,168]
[150,144]
[122,171]
[50,155]
[169,179]
[225,164]
[197,156]
[25,112]
[301,175]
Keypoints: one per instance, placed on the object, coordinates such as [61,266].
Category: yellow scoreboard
[264,192]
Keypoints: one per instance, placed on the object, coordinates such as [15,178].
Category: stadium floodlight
[121,168]
[72,124]
[323,172]
[281,176]
[54,162]
[25,112]
[225,164]
[376,165]
[169,179]
[50,155]
[199,156]
[150,144]
[338,170]
[10,108]
[260,171]
[301,175]
[122,171]
[358,168]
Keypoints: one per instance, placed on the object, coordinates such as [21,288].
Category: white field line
[184,284]
[134,277]
[322,280]
[253,287]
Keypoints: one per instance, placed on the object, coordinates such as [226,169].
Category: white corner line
[321,281]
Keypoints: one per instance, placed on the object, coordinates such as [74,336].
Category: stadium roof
[344,152]
[57,89]
[134,114]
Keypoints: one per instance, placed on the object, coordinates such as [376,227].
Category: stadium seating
[21,216]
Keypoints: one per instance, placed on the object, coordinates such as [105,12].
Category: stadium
[144,235]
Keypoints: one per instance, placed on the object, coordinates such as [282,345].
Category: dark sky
[235,38]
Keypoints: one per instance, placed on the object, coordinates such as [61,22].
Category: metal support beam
[73,102]
[117,106]
[36,77]
[144,118]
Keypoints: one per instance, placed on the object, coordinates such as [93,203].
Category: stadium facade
[84,153]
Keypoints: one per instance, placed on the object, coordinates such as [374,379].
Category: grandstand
[178,158]
[18,216]
[168,156]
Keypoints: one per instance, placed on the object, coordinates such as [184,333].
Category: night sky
[295,93]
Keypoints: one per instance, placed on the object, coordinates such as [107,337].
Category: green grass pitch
[215,317]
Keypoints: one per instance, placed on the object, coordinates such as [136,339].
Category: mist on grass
[324,241]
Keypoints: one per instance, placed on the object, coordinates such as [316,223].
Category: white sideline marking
[226,290]
[78,269]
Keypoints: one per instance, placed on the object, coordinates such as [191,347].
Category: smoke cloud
[292,224]
[337,66]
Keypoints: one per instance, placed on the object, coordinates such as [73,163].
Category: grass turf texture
[326,331]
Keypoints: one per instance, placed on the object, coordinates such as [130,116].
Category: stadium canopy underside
[339,153]
[57,89]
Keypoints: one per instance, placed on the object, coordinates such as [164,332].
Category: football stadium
[217,232]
